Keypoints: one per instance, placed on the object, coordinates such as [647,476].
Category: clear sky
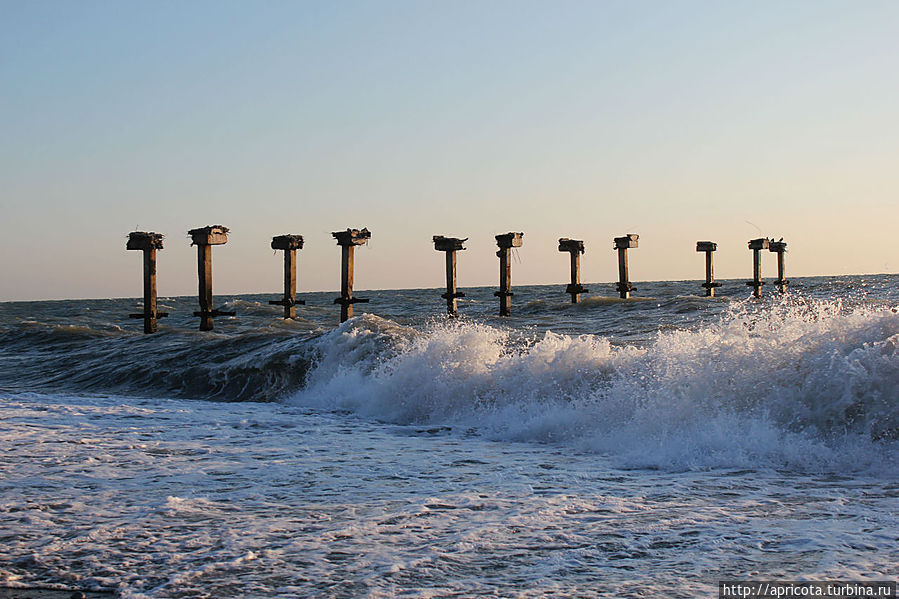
[676,120]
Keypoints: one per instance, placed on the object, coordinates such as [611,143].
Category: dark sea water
[640,448]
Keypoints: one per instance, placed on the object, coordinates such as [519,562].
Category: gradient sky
[676,120]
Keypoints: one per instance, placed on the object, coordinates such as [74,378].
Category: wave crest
[810,385]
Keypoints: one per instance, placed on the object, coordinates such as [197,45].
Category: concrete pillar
[506,242]
[709,248]
[757,245]
[204,238]
[348,240]
[289,244]
[622,244]
[780,248]
[148,243]
[450,245]
[575,247]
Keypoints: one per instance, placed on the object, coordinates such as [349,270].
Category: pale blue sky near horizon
[678,121]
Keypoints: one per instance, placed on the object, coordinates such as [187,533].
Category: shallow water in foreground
[403,455]
[187,499]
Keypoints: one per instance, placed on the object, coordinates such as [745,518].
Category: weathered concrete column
[780,248]
[708,247]
[575,247]
[757,245]
[348,240]
[450,245]
[506,242]
[622,244]
[204,238]
[290,244]
[148,243]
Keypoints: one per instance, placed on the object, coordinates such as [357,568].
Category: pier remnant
[708,247]
[623,244]
[506,242]
[575,247]
[757,245]
[289,244]
[348,240]
[780,248]
[148,242]
[450,245]
[204,238]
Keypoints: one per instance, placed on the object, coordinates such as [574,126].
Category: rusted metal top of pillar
[448,244]
[509,240]
[287,242]
[759,244]
[352,236]
[571,245]
[706,246]
[777,246]
[211,235]
[143,240]
[626,242]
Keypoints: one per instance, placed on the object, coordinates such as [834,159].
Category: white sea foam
[179,499]
[479,460]
[807,385]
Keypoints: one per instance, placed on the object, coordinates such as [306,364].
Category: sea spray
[805,380]
[790,384]
[609,448]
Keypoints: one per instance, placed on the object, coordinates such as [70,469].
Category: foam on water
[184,499]
[481,457]
[808,385]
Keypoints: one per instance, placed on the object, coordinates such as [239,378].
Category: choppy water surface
[620,449]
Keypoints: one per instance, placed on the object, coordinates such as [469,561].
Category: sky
[680,121]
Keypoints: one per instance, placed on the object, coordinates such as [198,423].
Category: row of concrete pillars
[756,245]
[206,237]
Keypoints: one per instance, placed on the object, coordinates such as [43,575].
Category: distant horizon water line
[441,288]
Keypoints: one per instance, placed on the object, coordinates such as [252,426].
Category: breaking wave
[792,382]
[810,385]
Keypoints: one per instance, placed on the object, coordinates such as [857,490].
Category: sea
[649,447]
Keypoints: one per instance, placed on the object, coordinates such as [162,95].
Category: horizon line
[337,291]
